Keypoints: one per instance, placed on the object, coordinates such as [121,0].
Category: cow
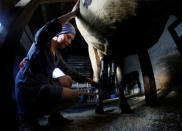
[114,29]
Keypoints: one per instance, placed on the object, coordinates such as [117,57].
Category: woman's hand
[22,63]
[92,82]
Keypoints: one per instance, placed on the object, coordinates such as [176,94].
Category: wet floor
[166,116]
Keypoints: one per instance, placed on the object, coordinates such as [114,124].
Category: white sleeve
[57,73]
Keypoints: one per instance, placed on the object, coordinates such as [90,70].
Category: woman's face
[64,40]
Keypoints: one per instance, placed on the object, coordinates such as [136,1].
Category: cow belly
[107,24]
[98,20]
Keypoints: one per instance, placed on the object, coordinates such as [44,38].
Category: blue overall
[35,89]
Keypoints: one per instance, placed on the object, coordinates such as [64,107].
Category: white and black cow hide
[118,28]
[123,27]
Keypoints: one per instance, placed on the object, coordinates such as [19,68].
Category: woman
[36,91]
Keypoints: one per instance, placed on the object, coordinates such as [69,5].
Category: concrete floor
[166,116]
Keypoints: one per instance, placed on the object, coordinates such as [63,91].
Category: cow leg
[99,103]
[124,106]
[95,58]
[95,62]
[103,87]
[148,78]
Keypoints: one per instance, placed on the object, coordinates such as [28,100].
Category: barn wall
[165,58]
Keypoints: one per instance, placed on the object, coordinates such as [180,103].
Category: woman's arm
[53,27]
[76,76]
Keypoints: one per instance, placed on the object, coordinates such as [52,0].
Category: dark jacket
[34,83]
